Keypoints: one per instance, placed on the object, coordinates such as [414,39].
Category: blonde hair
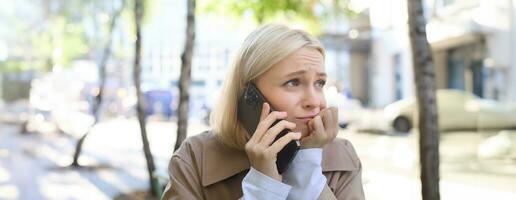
[264,47]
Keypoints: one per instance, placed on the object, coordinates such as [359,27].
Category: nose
[311,98]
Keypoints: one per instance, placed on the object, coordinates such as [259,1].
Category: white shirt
[302,180]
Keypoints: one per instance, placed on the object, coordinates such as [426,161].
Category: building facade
[473,44]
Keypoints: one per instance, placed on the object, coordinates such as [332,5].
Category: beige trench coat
[204,168]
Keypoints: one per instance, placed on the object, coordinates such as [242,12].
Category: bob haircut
[264,47]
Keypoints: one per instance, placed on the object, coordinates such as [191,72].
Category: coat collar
[220,162]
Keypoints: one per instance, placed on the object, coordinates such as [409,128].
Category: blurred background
[57,57]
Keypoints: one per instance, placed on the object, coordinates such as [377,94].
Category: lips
[305,119]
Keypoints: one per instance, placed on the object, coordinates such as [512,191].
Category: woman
[287,66]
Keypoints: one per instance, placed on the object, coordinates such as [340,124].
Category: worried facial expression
[295,85]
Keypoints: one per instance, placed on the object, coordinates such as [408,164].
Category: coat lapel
[220,162]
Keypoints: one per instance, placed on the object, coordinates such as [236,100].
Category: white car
[349,109]
[457,110]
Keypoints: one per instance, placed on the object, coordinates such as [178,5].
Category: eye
[320,83]
[292,83]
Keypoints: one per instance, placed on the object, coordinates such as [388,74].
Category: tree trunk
[426,99]
[184,79]
[102,78]
[155,190]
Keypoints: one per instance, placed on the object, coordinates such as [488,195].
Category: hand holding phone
[265,145]
[272,146]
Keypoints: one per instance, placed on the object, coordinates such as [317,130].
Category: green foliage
[63,32]
[260,10]
[12,65]
[340,7]
[67,41]
[294,12]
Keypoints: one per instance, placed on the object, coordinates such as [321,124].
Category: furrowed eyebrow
[304,71]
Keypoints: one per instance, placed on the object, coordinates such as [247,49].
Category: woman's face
[295,85]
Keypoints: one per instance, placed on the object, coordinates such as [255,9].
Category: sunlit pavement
[29,164]
[391,166]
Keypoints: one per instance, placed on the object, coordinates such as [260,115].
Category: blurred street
[71,68]
[391,167]
[31,164]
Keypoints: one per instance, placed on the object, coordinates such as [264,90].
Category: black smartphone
[249,112]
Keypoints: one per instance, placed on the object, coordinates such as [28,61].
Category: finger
[265,111]
[335,113]
[266,123]
[280,143]
[308,133]
[332,121]
[331,117]
[335,122]
[311,125]
[271,134]
[318,125]
[326,117]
